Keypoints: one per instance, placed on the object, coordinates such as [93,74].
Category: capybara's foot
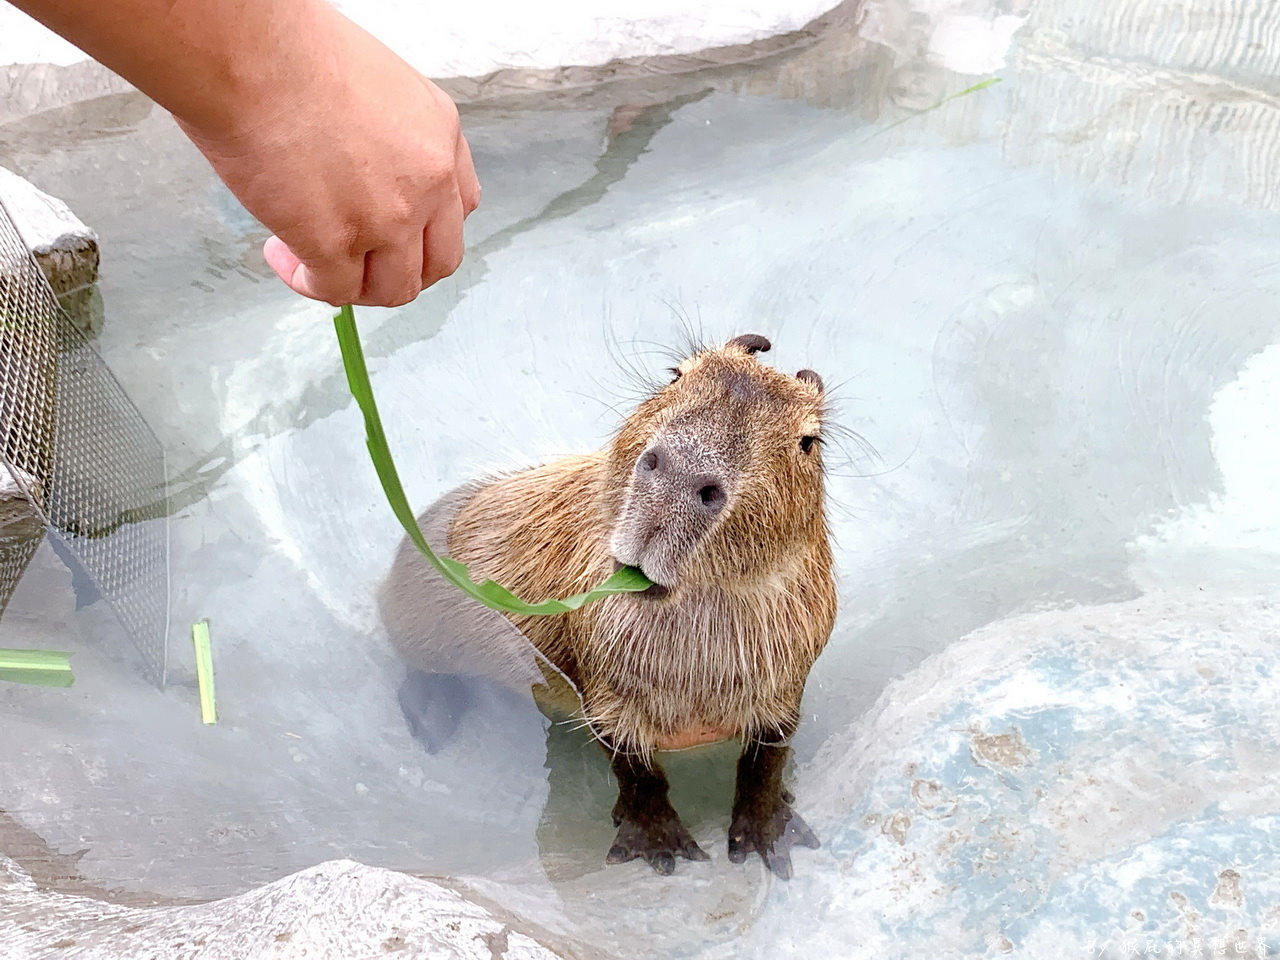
[770,833]
[648,826]
[659,840]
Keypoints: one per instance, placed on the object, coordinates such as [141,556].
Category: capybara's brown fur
[714,488]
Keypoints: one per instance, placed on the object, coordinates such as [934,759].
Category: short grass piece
[43,668]
[204,671]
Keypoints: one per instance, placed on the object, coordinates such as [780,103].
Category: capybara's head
[718,475]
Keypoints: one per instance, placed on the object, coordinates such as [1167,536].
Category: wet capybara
[714,487]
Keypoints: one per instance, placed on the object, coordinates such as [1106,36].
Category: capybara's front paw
[658,840]
[772,833]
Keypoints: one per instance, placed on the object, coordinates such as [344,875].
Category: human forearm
[217,65]
[354,161]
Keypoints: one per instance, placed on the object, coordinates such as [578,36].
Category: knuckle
[395,290]
[337,248]
[449,111]
[447,264]
[438,173]
[401,213]
[438,163]
[406,295]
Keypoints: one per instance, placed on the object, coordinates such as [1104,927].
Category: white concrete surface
[334,910]
[25,40]
[472,39]
[45,222]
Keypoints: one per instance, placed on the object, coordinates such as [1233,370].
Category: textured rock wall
[335,910]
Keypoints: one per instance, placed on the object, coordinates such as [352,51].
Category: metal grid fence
[81,454]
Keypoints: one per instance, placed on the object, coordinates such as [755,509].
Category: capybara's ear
[751,343]
[809,376]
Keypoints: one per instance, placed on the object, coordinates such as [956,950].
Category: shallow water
[1048,304]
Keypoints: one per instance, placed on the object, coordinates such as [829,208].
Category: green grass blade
[491,594]
[44,668]
[989,82]
[204,671]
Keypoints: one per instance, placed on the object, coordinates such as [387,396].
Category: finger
[468,182]
[280,258]
[334,281]
[392,275]
[442,243]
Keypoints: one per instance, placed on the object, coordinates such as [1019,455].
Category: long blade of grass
[44,668]
[491,594]
[204,671]
[989,82]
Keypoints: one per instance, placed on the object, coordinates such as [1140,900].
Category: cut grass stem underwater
[43,668]
[491,594]
[204,671]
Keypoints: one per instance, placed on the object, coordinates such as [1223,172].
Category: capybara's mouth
[655,591]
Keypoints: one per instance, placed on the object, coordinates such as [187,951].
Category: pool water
[1045,308]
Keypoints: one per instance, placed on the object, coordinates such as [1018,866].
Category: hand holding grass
[352,159]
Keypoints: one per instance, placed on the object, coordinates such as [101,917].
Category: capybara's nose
[687,476]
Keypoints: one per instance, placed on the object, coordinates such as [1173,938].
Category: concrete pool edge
[36,87]
[341,908]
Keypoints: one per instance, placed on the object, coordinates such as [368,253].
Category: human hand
[355,162]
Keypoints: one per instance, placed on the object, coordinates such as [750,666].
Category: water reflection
[459,654]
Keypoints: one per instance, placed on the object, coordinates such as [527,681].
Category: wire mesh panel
[81,453]
[18,543]
[28,403]
[28,363]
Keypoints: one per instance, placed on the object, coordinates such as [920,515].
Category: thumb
[288,267]
[280,259]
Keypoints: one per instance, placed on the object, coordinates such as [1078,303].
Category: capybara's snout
[678,488]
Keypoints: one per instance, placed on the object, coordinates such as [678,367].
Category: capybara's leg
[763,820]
[648,826]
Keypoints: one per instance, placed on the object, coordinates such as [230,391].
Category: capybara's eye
[807,443]
[675,373]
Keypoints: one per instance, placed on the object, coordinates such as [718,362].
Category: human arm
[352,159]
